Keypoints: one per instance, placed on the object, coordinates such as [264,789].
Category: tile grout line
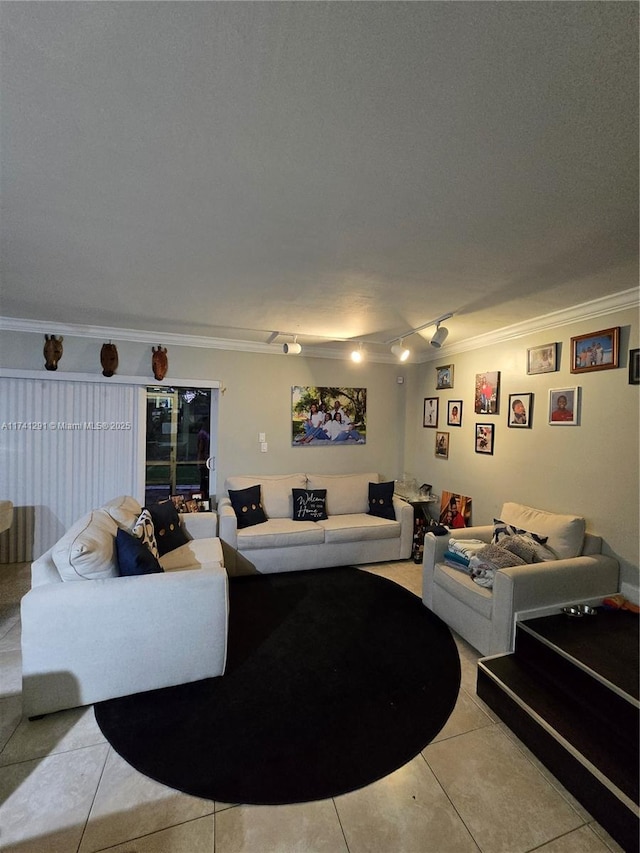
[93,799]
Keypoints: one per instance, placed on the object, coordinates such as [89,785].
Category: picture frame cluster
[592,352]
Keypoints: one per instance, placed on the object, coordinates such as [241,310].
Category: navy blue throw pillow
[134,558]
[381,500]
[309,505]
[166,526]
[247,506]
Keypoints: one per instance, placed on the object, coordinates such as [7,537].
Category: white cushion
[359,527]
[124,510]
[87,551]
[346,493]
[280,533]
[565,532]
[195,554]
[277,497]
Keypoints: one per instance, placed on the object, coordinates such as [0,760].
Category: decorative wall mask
[109,359]
[159,362]
[52,351]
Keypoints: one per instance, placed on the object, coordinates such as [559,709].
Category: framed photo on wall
[430,414]
[485,436]
[595,351]
[542,359]
[442,445]
[634,367]
[563,406]
[520,410]
[454,413]
[487,393]
[444,377]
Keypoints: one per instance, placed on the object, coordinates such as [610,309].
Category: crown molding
[585,311]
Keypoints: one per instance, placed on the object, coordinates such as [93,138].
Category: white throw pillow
[124,510]
[87,551]
[565,533]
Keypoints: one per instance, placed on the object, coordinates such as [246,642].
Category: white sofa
[349,535]
[89,634]
[486,617]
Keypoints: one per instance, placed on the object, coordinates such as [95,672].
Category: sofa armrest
[199,525]
[228,522]
[434,548]
[557,582]
[404,514]
[84,641]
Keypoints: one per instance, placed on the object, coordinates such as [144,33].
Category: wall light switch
[262,437]
[263,447]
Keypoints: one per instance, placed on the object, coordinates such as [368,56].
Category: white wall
[589,470]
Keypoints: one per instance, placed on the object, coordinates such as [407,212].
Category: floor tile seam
[564,835]
[93,799]
[50,754]
[453,805]
[342,830]
[134,838]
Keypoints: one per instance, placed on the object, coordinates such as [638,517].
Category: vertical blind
[65,448]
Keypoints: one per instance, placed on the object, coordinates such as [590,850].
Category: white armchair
[486,617]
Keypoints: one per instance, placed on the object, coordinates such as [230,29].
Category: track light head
[400,351]
[292,349]
[440,336]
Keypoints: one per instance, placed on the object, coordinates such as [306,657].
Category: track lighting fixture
[440,336]
[292,349]
[400,351]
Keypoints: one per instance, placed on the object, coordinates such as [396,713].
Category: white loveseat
[348,536]
[89,634]
[486,617]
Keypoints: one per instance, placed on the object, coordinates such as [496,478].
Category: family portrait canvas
[328,416]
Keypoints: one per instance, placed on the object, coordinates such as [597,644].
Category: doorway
[179,457]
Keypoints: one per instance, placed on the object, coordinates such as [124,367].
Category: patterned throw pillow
[381,500]
[247,506]
[143,530]
[309,505]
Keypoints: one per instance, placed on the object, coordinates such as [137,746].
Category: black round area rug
[334,678]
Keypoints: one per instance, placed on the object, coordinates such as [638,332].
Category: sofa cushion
[194,554]
[346,493]
[134,558]
[565,533]
[277,500]
[359,527]
[143,530]
[309,505]
[87,551]
[381,500]
[166,525]
[461,587]
[247,505]
[281,533]
[124,510]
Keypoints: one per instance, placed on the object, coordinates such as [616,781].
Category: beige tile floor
[475,788]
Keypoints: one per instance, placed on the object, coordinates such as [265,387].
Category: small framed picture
[179,502]
[454,413]
[520,410]
[430,415]
[543,359]
[444,377]
[563,406]
[442,445]
[487,393]
[634,367]
[595,351]
[485,438]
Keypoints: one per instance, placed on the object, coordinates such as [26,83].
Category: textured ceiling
[331,169]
